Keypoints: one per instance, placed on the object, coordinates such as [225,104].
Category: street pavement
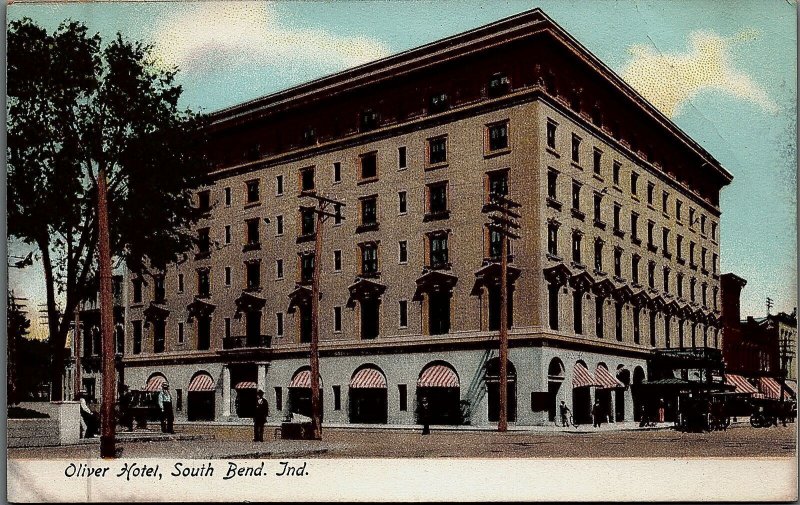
[226,441]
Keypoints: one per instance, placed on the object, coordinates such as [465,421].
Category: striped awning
[245,385]
[605,380]
[368,378]
[772,389]
[438,376]
[155,382]
[301,380]
[742,384]
[581,377]
[792,386]
[202,382]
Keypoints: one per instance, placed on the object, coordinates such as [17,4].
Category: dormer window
[309,136]
[369,120]
[498,85]
[438,103]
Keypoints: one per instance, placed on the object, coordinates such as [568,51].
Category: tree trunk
[55,338]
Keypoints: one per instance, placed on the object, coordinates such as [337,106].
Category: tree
[76,108]
[17,326]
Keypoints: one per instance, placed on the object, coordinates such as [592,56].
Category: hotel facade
[618,253]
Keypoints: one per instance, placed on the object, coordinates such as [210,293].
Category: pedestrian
[125,400]
[88,426]
[423,416]
[260,417]
[564,411]
[165,405]
[661,410]
[597,414]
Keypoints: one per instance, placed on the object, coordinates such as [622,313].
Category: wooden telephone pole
[322,214]
[502,221]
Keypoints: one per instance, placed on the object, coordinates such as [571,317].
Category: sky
[724,72]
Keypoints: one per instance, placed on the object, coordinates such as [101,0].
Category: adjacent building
[618,252]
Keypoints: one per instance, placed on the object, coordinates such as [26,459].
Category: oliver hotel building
[618,254]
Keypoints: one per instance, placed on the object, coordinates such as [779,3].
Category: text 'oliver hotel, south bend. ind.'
[618,252]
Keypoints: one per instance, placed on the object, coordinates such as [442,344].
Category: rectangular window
[703,224]
[403,307]
[703,254]
[679,246]
[617,212]
[368,120]
[598,255]
[227,276]
[551,133]
[203,283]
[498,136]
[576,148]
[637,334]
[337,214]
[253,236]
[438,102]
[402,162]
[337,260]
[634,226]
[227,327]
[552,306]
[369,259]
[337,398]
[337,319]
[498,184]
[369,211]
[713,231]
[137,337]
[598,200]
[252,191]
[666,279]
[180,283]
[664,202]
[438,251]
[691,254]
[253,275]
[618,262]
[279,185]
[203,241]
[597,159]
[634,183]
[679,285]
[228,197]
[618,321]
[650,190]
[552,239]
[598,311]
[402,252]
[714,260]
[337,172]
[307,179]
[651,275]
[279,225]
[635,268]
[678,210]
[437,199]
[552,184]
[498,85]
[437,150]
[278,398]
[159,336]
[402,202]
[616,167]
[665,241]
[204,200]
[576,195]
[180,333]
[279,269]
[369,166]
[179,400]
[307,221]
[402,390]
[576,246]
[228,234]
[650,227]
[691,218]
[279,324]
[577,306]
[306,267]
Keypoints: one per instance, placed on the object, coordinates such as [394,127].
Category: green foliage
[75,106]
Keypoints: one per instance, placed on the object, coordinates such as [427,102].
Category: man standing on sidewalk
[165,404]
[423,416]
[260,417]
[564,411]
[597,414]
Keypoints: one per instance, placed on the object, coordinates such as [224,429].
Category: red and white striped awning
[155,382]
[368,378]
[742,384]
[245,385]
[791,385]
[605,380]
[302,379]
[772,389]
[581,377]
[202,382]
[438,376]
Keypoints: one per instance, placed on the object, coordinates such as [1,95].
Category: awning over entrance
[791,385]
[155,382]
[368,378]
[606,380]
[245,385]
[742,384]
[438,376]
[581,377]
[202,382]
[302,379]
[772,389]
[434,281]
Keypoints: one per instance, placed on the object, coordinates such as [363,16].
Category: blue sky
[724,72]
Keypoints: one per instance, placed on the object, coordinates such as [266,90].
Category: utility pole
[76,343]
[503,221]
[107,434]
[322,213]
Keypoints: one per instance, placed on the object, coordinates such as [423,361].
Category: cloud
[224,36]
[668,81]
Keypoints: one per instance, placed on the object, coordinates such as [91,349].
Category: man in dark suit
[260,417]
